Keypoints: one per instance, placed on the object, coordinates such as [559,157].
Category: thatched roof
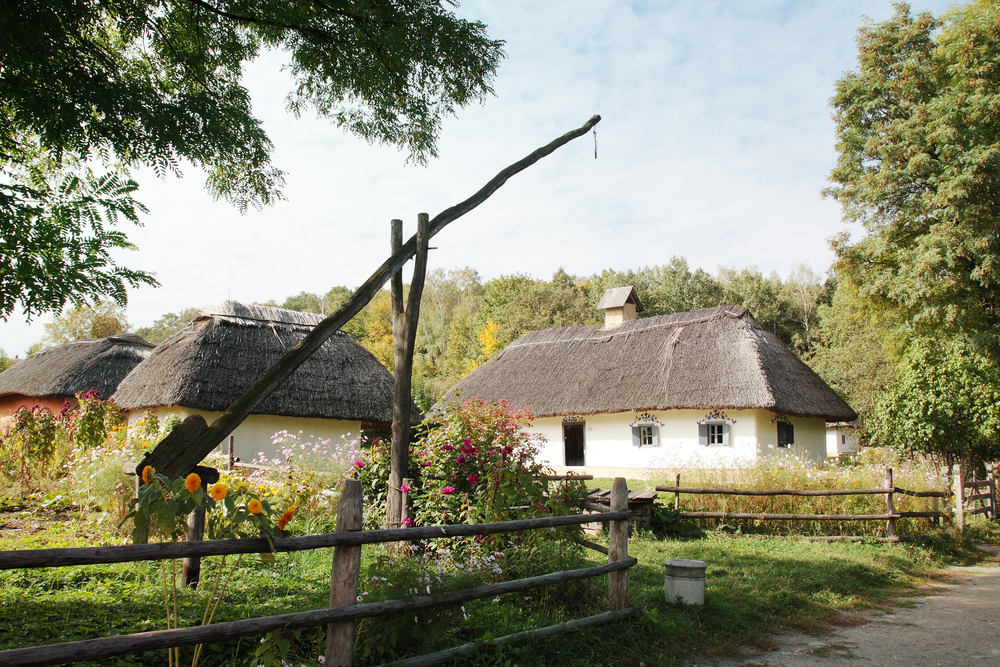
[617,297]
[716,358]
[211,362]
[96,363]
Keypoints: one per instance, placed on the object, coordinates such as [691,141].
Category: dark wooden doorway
[573,438]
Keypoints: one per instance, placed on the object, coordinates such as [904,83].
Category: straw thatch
[222,352]
[63,371]
[716,358]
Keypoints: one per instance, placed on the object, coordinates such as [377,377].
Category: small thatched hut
[53,376]
[206,366]
[694,388]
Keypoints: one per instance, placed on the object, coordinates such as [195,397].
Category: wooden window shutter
[636,436]
[703,434]
[725,435]
[656,435]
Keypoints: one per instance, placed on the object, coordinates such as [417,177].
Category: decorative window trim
[717,417]
[646,419]
[573,419]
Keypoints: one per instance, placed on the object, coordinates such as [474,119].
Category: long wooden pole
[194,439]
[890,506]
[698,490]
[959,492]
[806,517]
[29,558]
[344,576]
[98,649]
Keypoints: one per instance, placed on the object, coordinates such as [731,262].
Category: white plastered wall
[839,441]
[608,440]
[255,433]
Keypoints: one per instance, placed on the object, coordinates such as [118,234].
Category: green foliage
[57,234]
[945,402]
[29,445]
[4,360]
[167,325]
[155,82]
[94,419]
[83,321]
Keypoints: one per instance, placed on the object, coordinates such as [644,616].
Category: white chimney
[620,304]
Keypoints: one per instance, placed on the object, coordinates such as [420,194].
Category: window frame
[653,430]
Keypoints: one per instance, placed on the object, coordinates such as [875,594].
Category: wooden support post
[959,490]
[618,546]
[232,449]
[992,489]
[890,506]
[191,570]
[404,337]
[677,495]
[344,576]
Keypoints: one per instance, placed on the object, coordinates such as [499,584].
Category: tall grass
[865,470]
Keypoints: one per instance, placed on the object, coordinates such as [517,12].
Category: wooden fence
[340,616]
[984,492]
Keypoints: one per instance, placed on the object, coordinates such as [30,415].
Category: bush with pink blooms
[478,465]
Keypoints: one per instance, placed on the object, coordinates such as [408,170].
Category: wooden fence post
[959,491]
[618,546]
[677,495]
[344,576]
[992,489]
[191,569]
[232,447]
[890,506]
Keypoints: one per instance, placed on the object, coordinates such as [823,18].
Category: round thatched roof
[715,358]
[96,363]
[211,362]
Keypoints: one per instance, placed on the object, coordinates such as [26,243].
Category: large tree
[919,293]
[131,83]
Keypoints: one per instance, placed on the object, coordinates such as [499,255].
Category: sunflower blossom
[254,506]
[192,483]
[147,472]
[217,491]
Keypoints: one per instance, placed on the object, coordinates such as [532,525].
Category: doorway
[573,439]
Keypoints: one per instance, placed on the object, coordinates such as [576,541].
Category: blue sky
[715,144]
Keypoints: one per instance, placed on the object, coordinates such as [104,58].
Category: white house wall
[608,444]
[840,442]
[254,435]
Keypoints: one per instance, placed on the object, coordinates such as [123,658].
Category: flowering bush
[479,466]
[94,419]
[30,443]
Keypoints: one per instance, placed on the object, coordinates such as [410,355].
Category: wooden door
[573,439]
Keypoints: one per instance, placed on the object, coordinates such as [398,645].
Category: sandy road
[958,624]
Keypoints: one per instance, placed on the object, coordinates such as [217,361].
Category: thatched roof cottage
[55,375]
[695,388]
[206,366]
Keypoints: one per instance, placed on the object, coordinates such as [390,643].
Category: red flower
[473,479]
[447,490]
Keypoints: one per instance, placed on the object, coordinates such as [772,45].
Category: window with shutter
[713,434]
[645,436]
[786,434]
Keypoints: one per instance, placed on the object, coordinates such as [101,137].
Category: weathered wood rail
[959,487]
[343,611]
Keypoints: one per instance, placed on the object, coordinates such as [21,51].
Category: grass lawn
[754,586]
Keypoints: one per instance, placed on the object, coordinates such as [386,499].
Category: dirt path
[941,629]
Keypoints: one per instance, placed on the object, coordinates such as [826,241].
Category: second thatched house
[702,388]
[54,376]
[206,366]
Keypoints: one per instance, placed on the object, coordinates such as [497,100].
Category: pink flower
[405,488]
[473,479]
[460,459]
[359,464]
[446,448]
[447,490]
[467,443]
[408,522]
[425,463]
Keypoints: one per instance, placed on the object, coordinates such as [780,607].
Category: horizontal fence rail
[807,517]
[797,492]
[31,558]
[97,649]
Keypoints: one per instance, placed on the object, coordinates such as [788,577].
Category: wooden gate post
[344,576]
[191,568]
[677,495]
[618,546]
[959,491]
[890,506]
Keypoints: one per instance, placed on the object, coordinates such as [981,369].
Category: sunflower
[286,517]
[254,506]
[192,483]
[147,473]
[217,491]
